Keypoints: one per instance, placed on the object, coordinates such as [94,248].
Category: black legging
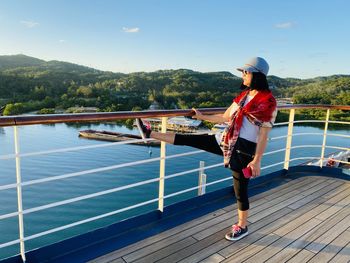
[240,185]
[238,162]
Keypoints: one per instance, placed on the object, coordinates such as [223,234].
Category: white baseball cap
[256,64]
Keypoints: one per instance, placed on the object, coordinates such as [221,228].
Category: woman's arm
[217,118]
[260,148]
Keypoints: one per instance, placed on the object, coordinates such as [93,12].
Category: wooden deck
[305,220]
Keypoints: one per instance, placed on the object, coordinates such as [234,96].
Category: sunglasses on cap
[258,70]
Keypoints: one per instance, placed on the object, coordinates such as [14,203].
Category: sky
[299,38]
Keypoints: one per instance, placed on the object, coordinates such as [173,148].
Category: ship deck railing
[15,121]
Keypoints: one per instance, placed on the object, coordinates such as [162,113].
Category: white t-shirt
[248,130]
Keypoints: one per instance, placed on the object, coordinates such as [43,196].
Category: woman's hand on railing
[197,114]
[218,118]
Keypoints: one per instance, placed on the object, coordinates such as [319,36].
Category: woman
[250,118]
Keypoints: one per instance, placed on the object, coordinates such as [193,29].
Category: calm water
[46,137]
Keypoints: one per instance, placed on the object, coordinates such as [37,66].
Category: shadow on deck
[299,216]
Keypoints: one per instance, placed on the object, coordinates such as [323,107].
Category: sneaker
[236,233]
[144,128]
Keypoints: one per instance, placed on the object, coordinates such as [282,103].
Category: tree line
[28,84]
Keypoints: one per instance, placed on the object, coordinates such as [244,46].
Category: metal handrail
[113,190]
[109,116]
[310,133]
[112,167]
[311,121]
[11,156]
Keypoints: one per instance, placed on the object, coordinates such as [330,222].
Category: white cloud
[29,24]
[285,25]
[62,41]
[131,30]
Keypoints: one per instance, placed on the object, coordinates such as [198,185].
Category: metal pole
[162,168]
[203,184]
[201,179]
[289,138]
[324,138]
[19,195]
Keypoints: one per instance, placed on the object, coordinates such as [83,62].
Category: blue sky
[300,38]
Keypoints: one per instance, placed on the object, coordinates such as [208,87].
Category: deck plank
[308,196]
[291,185]
[282,242]
[332,248]
[300,244]
[328,236]
[343,256]
[279,197]
[288,202]
[161,253]
[118,260]
[183,233]
[201,247]
[302,256]
[306,216]
[256,247]
[215,258]
[161,236]
[336,205]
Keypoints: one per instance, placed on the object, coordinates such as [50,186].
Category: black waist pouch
[242,154]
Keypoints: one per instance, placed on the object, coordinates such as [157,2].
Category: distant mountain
[16,61]
[21,64]
[23,77]
[22,68]
[25,65]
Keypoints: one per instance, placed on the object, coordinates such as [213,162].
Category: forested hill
[34,84]
[16,61]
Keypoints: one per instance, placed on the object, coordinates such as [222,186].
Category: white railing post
[324,138]
[289,138]
[19,195]
[202,179]
[162,168]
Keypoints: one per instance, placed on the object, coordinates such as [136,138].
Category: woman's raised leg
[165,137]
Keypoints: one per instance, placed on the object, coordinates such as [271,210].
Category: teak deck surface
[305,220]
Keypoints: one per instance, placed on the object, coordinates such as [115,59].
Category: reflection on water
[110,124]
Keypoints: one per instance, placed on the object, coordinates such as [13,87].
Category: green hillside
[28,84]
[16,61]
